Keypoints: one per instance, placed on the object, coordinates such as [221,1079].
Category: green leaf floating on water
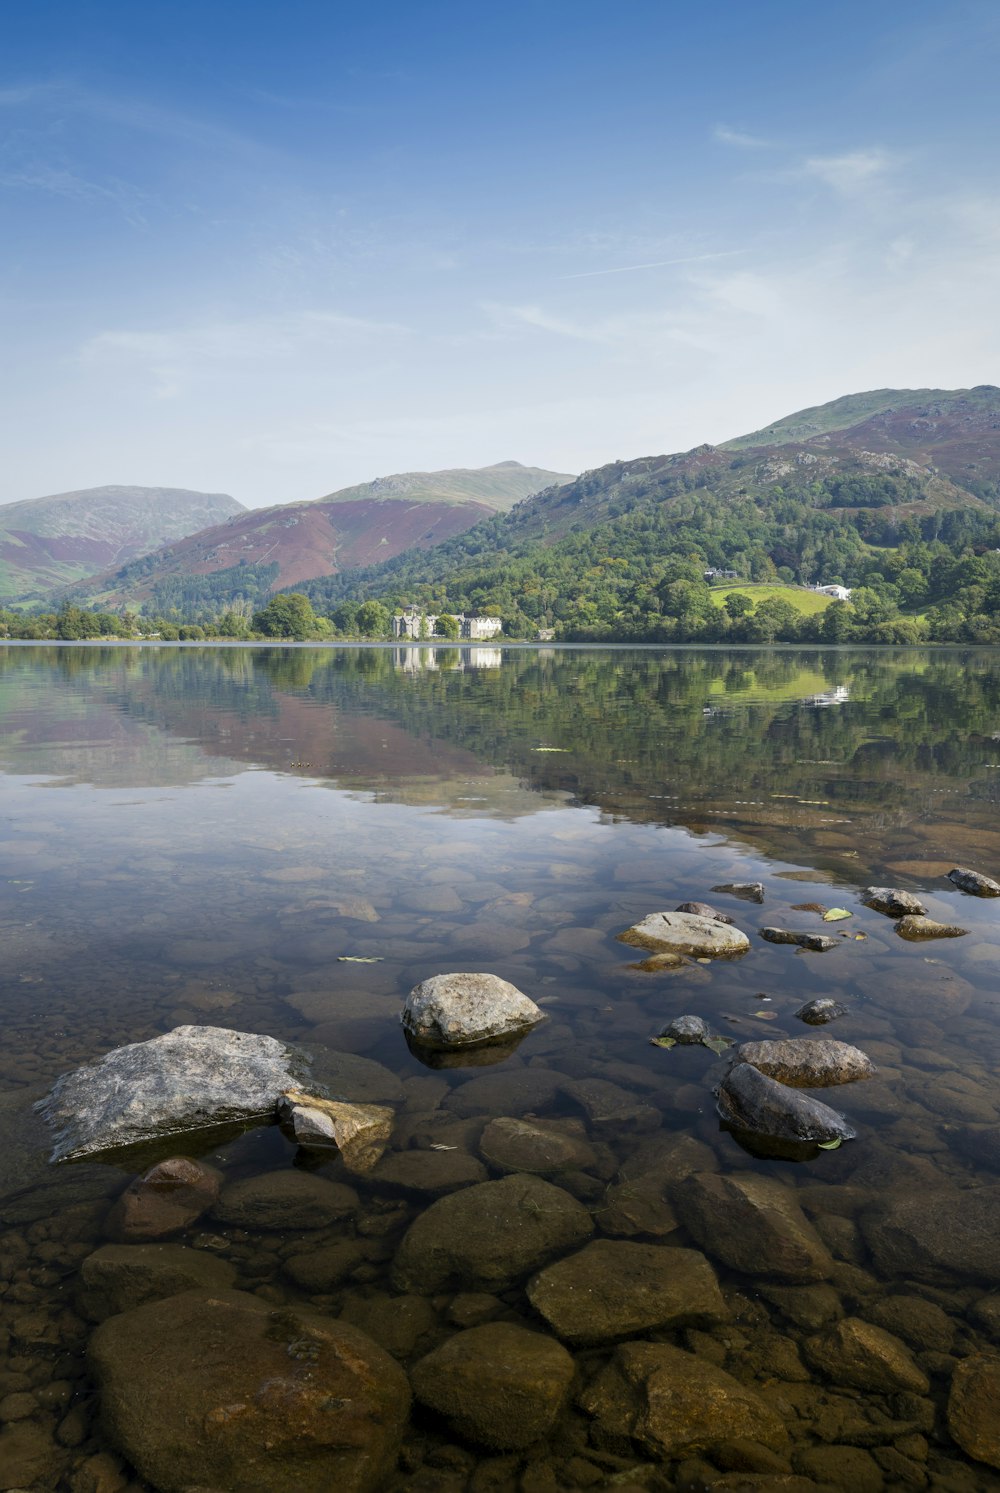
[829,1145]
[717,1045]
[662,1042]
[359,958]
[836,914]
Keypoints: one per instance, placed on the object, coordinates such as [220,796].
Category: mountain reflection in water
[286,840]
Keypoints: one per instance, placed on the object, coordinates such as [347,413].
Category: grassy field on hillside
[807,602]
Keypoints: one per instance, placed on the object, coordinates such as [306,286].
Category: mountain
[270,549]
[50,542]
[823,494]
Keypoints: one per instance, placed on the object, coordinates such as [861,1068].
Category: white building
[474,626]
[839,593]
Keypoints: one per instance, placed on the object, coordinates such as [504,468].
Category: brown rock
[285,1200]
[488,1236]
[118,1277]
[614,1289]
[673,1404]
[934,1234]
[498,1385]
[754,1224]
[532,1146]
[972,1407]
[359,1132]
[170,1196]
[807,1062]
[917,928]
[428,1173]
[857,1353]
[218,1390]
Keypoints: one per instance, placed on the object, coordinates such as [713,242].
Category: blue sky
[276,249]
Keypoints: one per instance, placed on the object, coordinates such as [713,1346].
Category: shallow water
[287,840]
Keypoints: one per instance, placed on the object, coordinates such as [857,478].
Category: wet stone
[917,928]
[285,1200]
[934,1235]
[359,1133]
[635,1207]
[489,1236]
[613,1289]
[672,1404]
[611,1109]
[750,1101]
[512,1093]
[514,1145]
[974,882]
[807,1062]
[118,1277]
[170,1196]
[921,1324]
[747,891]
[820,1011]
[704,910]
[753,1224]
[219,1390]
[816,943]
[498,1385]
[467,1009]
[428,1173]
[320,1271]
[857,1353]
[686,933]
[891,901]
[972,1407]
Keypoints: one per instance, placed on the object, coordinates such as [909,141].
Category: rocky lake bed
[585,1224]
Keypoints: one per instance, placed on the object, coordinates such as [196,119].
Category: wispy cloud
[740,139]
[853,172]
[656,264]
[173,359]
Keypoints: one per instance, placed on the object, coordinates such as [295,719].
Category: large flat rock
[192,1078]
[686,933]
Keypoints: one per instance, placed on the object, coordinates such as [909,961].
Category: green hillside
[499,486]
[808,603]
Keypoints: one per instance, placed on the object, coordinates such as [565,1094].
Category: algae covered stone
[497,1385]
[749,1100]
[972,1407]
[465,1010]
[489,1236]
[674,1404]
[220,1390]
[753,1224]
[612,1289]
[119,1277]
[807,1062]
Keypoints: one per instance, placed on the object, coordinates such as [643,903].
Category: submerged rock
[807,1062]
[894,903]
[674,1404]
[190,1079]
[359,1132]
[749,1100]
[515,1145]
[169,1197]
[497,1385]
[972,1407]
[916,928]
[974,882]
[488,1236]
[747,891]
[119,1277]
[820,1011]
[686,933]
[219,1390]
[466,1010]
[816,943]
[703,910]
[613,1289]
[753,1224]
[866,1357]
[936,1235]
[285,1200]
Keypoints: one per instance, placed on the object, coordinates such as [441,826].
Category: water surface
[287,840]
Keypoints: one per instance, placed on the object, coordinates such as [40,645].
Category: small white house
[839,593]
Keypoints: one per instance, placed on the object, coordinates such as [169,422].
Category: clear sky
[275,248]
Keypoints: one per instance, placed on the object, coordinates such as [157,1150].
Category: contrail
[656,264]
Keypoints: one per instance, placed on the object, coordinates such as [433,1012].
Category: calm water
[223,836]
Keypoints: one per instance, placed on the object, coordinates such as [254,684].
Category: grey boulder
[749,1100]
[189,1079]
[686,933]
[807,1062]
[464,1010]
[974,882]
[891,901]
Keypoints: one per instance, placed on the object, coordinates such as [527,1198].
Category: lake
[286,840]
